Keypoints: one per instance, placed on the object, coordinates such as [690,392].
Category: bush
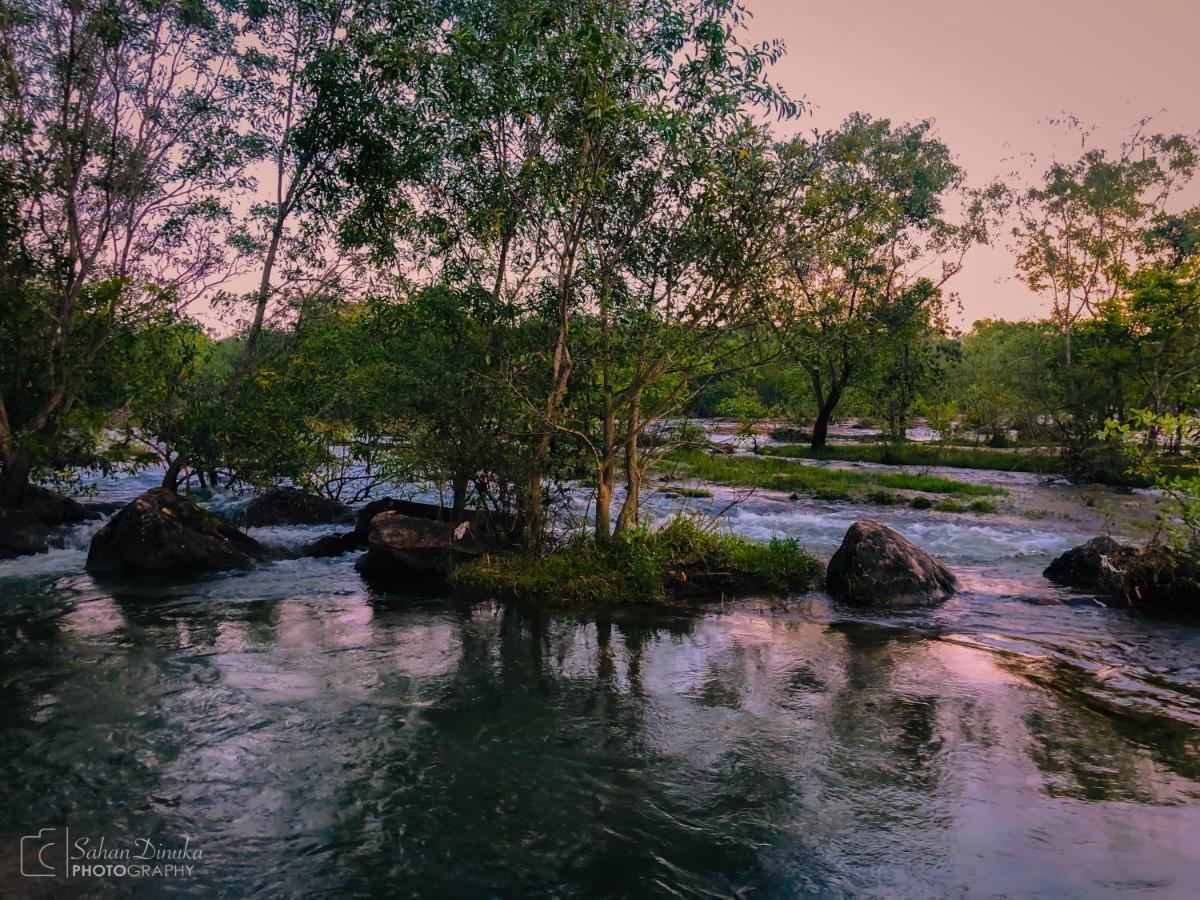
[791,434]
[884,498]
[645,565]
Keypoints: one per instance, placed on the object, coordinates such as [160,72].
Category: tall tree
[120,151]
[871,232]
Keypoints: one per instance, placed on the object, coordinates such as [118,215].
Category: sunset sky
[990,74]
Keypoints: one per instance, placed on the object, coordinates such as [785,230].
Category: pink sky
[990,74]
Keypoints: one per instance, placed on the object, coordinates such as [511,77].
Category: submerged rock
[21,534]
[402,548]
[288,506]
[165,534]
[876,566]
[1082,567]
[332,545]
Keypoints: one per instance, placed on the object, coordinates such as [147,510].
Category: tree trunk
[820,434]
[459,504]
[628,516]
[529,508]
[606,473]
[14,483]
[171,476]
[603,507]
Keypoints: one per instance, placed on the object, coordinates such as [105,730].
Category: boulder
[876,566]
[26,530]
[408,548]
[332,545]
[54,509]
[362,522]
[1082,567]
[288,506]
[1155,578]
[163,533]
[21,533]
[487,521]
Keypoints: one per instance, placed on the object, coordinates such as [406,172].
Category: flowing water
[310,736]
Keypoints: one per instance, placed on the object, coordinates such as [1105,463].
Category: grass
[926,454]
[644,565]
[975,506]
[825,483]
[914,454]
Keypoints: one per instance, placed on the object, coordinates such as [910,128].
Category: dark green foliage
[645,565]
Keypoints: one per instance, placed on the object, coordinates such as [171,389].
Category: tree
[306,124]
[871,226]
[1000,378]
[1083,230]
[120,152]
[908,359]
[569,166]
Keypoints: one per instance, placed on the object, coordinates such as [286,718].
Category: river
[311,736]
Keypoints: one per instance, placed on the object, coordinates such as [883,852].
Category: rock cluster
[1156,577]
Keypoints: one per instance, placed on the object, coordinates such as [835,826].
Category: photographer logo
[37,853]
[53,853]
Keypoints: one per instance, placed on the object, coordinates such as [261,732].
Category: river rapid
[311,736]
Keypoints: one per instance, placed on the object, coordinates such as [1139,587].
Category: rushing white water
[1005,602]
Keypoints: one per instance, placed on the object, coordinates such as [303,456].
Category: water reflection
[360,744]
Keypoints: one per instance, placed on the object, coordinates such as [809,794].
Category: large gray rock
[401,549]
[1083,567]
[165,534]
[876,566]
[288,506]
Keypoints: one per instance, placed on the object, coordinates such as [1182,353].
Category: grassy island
[682,558]
[780,474]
